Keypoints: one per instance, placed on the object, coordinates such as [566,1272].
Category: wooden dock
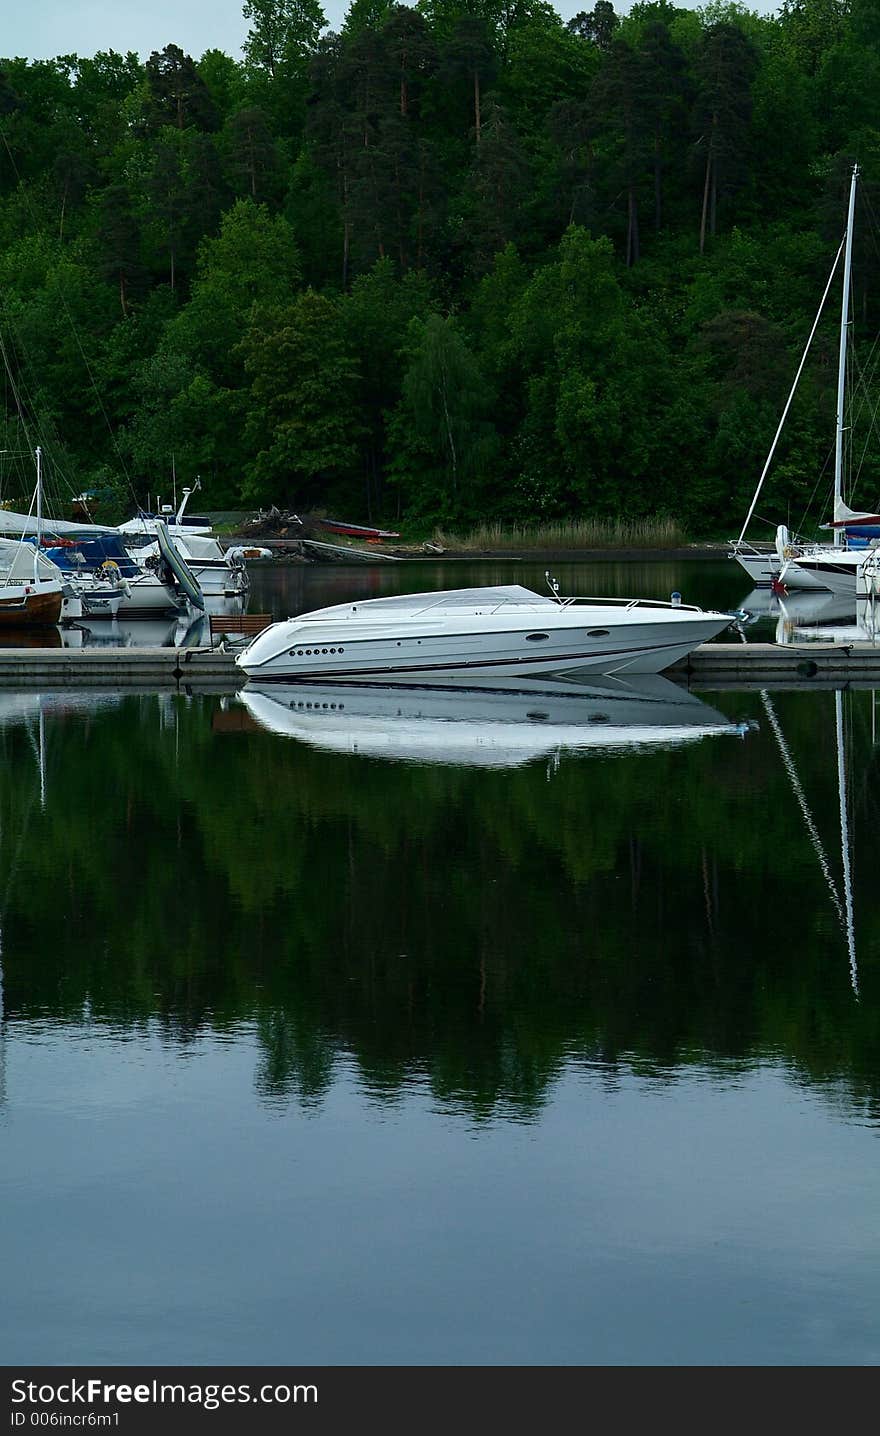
[712,666]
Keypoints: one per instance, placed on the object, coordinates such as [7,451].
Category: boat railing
[749,546]
[633,603]
[506,605]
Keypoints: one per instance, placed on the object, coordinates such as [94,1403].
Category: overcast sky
[40,29]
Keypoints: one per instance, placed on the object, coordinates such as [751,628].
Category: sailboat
[32,590]
[788,562]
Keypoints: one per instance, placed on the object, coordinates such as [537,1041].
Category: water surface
[439,1034]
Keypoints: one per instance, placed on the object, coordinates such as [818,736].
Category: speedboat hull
[385,639]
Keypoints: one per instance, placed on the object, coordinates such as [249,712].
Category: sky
[40,29]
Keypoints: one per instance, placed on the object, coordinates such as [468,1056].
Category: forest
[460,261]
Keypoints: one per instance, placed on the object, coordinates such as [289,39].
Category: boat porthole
[597,632]
[536,637]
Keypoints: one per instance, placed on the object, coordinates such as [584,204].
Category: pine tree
[178,94]
[725,64]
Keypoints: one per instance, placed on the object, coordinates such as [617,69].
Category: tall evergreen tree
[665,100]
[598,25]
[619,101]
[725,64]
[178,95]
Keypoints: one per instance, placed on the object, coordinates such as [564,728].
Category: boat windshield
[483,599]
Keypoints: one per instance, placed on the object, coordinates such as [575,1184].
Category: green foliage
[442,444]
[283,33]
[552,268]
[294,356]
[178,95]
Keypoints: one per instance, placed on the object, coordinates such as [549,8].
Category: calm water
[282,589]
[534,1029]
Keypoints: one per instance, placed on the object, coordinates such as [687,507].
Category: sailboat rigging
[789,562]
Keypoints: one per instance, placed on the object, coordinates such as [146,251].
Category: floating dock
[119,668]
[780,665]
[711,666]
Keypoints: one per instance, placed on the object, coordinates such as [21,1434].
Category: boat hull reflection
[823,617]
[491,724]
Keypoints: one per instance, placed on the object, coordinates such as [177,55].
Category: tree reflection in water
[472,929]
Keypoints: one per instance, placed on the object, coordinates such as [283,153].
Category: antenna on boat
[553,584]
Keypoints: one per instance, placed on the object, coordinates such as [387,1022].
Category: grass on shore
[582,534]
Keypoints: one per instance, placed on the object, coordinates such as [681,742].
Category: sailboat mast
[839,534]
[39,457]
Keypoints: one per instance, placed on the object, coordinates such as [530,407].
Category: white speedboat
[497,631]
[144,525]
[219,574]
[488,724]
[110,582]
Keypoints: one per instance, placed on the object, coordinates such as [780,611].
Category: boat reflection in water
[491,724]
[177,630]
[822,617]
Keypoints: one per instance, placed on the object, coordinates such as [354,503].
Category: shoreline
[290,548]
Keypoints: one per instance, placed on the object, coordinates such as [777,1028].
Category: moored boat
[487,631]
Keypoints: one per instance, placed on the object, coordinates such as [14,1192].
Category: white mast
[39,458]
[839,534]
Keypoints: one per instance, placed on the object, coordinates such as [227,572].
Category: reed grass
[658,532]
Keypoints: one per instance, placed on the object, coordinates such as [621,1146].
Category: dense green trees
[459,260]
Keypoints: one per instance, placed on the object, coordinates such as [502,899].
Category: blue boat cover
[91,553]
